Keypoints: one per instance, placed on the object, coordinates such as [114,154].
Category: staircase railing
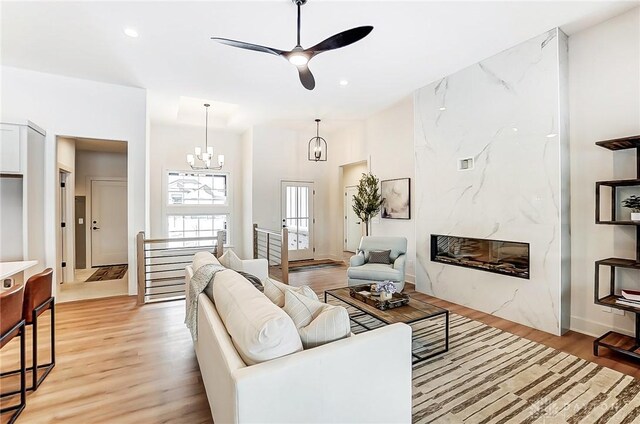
[161,264]
[274,247]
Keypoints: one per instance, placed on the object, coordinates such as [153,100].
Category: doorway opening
[297,217]
[352,228]
[93,210]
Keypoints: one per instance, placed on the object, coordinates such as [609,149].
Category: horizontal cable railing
[161,264]
[273,246]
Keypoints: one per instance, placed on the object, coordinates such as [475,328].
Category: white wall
[66,106]
[91,165]
[169,145]
[351,174]
[247,194]
[66,161]
[281,155]
[385,140]
[604,87]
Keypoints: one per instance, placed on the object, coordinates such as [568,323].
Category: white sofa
[365,378]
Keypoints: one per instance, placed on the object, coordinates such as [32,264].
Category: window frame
[199,209]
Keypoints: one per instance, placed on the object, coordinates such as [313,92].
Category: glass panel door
[297,216]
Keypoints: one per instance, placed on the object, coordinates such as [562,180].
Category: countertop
[7,269]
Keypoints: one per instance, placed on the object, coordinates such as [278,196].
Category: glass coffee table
[427,337]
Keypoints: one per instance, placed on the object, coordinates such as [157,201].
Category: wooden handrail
[265,231]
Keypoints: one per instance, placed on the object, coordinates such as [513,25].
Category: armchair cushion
[375,272]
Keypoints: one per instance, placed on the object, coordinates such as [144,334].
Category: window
[197,204]
[195,225]
[197,188]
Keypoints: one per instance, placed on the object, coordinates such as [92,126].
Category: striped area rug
[489,376]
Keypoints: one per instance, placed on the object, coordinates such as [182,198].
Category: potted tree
[633,203]
[367,202]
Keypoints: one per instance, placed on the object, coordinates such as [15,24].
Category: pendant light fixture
[207,155]
[317,149]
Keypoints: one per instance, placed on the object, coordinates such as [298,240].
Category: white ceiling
[413,44]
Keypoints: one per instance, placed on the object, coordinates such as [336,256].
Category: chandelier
[317,149]
[207,155]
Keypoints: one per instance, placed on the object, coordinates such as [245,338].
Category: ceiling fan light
[298,59]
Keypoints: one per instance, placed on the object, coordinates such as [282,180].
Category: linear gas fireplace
[499,256]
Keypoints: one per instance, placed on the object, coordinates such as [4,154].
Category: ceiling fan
[300,57]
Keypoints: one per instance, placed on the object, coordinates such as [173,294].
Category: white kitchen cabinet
[22,194]
[10,149]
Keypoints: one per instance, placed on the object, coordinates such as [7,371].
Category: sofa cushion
[275,290]
[379,257]
[318,323]
[230,260]
[375,272]
[260,330]
[203,258]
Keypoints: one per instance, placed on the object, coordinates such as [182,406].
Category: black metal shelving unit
[621,343]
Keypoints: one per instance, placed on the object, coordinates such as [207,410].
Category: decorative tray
[363,293]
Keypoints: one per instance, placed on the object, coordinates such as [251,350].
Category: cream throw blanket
[201,278]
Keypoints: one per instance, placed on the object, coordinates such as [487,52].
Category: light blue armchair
[362,272]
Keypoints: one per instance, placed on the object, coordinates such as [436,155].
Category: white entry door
[297,216]
[352,224]
[108,222]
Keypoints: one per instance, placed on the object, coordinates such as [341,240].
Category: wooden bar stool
[37,300]
[12,324]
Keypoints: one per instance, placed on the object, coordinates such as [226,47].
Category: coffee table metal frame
[417,358]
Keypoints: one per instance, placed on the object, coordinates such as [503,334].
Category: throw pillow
[317,323]
[380,257]
[276,290]
[230,260]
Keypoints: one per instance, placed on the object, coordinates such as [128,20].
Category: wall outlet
[606,309]
[465,164]
[618,312]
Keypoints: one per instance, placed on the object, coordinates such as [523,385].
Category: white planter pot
[385,296]
[635,216]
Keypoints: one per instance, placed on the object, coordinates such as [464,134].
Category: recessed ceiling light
[551,135]
[443,108]
[130,32]
[344,82]
[514,129]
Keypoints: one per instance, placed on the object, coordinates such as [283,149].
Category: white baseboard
[593,328]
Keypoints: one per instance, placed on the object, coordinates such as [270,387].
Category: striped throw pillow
[380,257]
[275,291]
[317,322]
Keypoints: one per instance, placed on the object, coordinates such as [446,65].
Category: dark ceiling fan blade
[341,39]
[306,77]
[248,46]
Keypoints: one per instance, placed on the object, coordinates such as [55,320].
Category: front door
[108,222]
[297,216]
[352,224]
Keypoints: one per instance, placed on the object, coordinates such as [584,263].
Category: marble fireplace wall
[508,113]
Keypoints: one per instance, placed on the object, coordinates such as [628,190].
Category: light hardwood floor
[119,363]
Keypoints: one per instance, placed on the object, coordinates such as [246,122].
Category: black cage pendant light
[317,146]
